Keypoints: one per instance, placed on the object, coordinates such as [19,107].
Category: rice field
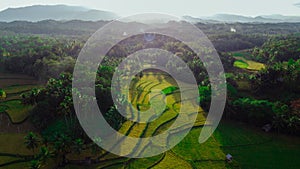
[188,152]
[244,63]
[248,147]
[14,85]
[13,124]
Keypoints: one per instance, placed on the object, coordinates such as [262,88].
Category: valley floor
[250,147]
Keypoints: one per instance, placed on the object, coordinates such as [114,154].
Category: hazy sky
[175,7]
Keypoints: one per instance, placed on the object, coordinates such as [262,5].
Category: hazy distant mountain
[198,20]
[283,18]
[63,12]
[244,19]
[54,12]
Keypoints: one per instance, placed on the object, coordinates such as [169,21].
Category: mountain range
[54,12]
[65,13]
[227,18]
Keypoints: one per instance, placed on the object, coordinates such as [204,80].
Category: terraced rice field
[189,153]
[14,85]
[16,110]
[239,142]
[246,146]
[13,115]
[8,80]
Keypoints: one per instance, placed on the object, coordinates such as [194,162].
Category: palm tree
[31,141]
[45,141]
[62,146]
[44,154]
[78,145]
[35,164]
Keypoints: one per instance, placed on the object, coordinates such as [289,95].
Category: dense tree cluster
[284,76]
[278,49]
[269,96]
[235,41]
[38,56]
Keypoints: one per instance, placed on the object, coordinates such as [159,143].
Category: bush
[284,118]
[278,49]
[285,77]
[2,94]
[254,111]
[287,119]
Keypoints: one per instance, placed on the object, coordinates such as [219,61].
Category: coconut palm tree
[62,146]
[35,164]
[31,141]
[44,154]
[78,145]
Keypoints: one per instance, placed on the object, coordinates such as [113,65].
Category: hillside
[54,12]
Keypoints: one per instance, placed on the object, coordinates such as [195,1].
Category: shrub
[254,111]
[2,94]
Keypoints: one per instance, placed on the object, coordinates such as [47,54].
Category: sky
[174,7]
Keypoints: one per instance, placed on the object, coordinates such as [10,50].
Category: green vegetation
[241,64]
[17,89]
[45,62]
[284,76]
[12,102]
[2,94]
[145,162]
[256,62]
[3,108]
[190,150]
[278,49]
[173,161]
[252,148]
[169,90]
[17,111]
[259,111]
[31,141]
